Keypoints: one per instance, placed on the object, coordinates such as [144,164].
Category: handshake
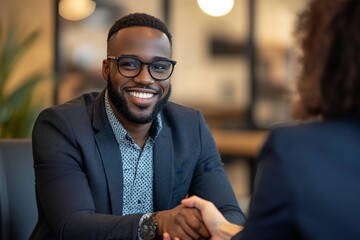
[195,218]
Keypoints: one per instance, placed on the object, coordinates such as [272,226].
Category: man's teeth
[141,94]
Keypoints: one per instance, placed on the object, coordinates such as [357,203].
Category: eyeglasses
[131,67]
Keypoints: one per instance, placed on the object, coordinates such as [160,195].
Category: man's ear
[105,69]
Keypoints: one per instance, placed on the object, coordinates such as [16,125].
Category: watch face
[148,229]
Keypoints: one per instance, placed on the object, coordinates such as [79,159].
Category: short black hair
[139,19]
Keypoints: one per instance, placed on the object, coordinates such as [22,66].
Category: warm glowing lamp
[76,9]
[216,8]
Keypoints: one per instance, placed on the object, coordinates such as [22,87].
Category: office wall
[203,78]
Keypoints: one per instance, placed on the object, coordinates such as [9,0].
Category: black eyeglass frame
[117,59]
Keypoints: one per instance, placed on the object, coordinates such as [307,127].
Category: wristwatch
[148,227]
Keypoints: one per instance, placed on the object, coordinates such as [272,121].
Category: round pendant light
[76,9]
[216,8]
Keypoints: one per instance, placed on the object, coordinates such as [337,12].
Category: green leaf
[24,92]
[11,49]
[18,110]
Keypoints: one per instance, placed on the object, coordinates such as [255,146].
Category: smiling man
[116,164]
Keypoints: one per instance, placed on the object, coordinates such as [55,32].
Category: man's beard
[121,105]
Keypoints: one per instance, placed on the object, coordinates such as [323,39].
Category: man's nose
[144,76]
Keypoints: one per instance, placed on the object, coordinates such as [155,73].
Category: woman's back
[308,181]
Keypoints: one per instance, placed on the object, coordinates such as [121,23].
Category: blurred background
[238,68]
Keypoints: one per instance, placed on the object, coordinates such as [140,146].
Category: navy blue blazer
[78,170]
[307,184]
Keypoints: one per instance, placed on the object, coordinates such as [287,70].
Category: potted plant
[18,109]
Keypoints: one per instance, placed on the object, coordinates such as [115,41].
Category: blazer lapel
[163,170]
[110,155]
[163,161]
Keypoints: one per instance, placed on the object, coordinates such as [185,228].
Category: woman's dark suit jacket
[78,170]
[308,183]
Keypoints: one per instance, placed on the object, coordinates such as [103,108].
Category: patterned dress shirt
[137,165]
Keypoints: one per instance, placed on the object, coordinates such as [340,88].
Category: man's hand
[219,227]
[182,222]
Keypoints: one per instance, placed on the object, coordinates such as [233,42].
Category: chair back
[17,189]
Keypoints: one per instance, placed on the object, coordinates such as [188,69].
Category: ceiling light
[216,7]
[76,9]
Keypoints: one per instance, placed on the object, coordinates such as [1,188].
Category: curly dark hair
[329,80]
[139,19]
